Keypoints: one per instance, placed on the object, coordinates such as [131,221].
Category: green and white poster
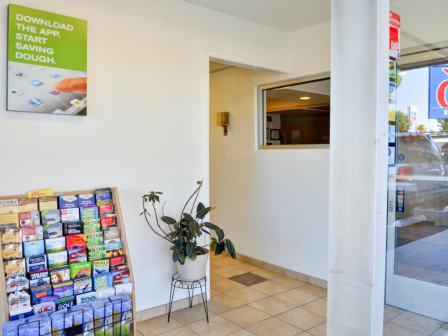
[47,62]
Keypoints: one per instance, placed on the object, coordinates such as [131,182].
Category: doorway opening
[417,228]
[273,202]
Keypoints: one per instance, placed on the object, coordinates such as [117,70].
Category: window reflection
[298,114]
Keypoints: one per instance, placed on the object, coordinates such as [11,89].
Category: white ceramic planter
[193,270]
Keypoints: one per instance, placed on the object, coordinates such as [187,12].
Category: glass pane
[417,227]
[298,114]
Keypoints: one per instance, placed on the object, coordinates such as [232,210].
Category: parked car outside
[420,177]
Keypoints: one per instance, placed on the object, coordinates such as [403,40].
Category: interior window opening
[297,113]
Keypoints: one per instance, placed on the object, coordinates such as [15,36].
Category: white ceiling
[422,21]
[285,15]
[424,33]
[320,87]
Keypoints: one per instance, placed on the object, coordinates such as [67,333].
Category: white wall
[272,203]
[147,121]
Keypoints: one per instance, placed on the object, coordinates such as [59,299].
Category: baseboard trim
[181,304]
[283,271]
[163,309]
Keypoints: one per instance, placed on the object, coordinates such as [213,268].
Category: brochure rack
[116,201]
[114,323]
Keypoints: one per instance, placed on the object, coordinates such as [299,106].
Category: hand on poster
[77,85]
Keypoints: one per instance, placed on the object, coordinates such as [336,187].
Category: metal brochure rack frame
[91,327]
[130,313]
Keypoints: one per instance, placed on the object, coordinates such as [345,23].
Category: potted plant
[182,234]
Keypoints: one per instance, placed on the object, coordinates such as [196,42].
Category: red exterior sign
[394,20]
[394,35]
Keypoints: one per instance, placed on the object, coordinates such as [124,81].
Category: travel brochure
[57,256]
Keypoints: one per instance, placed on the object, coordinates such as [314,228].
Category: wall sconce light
[223,119]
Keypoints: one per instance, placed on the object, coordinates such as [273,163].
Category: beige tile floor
[264,303]
[400,322]
[255,302]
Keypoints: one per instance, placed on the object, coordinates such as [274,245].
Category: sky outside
[413,91]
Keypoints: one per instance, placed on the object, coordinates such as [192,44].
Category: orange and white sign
[394,35]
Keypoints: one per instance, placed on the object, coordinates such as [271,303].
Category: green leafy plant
[183,233]
[402,121]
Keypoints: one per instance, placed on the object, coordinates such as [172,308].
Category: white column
[358,166]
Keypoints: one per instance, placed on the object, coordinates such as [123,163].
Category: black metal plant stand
[178,282]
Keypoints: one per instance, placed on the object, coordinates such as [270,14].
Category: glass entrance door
[417,227]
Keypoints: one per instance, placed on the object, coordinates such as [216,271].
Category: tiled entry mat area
[247,300]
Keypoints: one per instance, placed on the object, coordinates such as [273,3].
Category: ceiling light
[305,98]
[402,73]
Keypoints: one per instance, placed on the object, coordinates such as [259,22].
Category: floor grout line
[269,296]
[308,311]
[317,325]
[395,317]
[243,304]
[248,304]
[274,316]
[399,325]
[216,315]
[248,325]
[418,315]
[437,330]
[183,326]
[192,330]
[269,315]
